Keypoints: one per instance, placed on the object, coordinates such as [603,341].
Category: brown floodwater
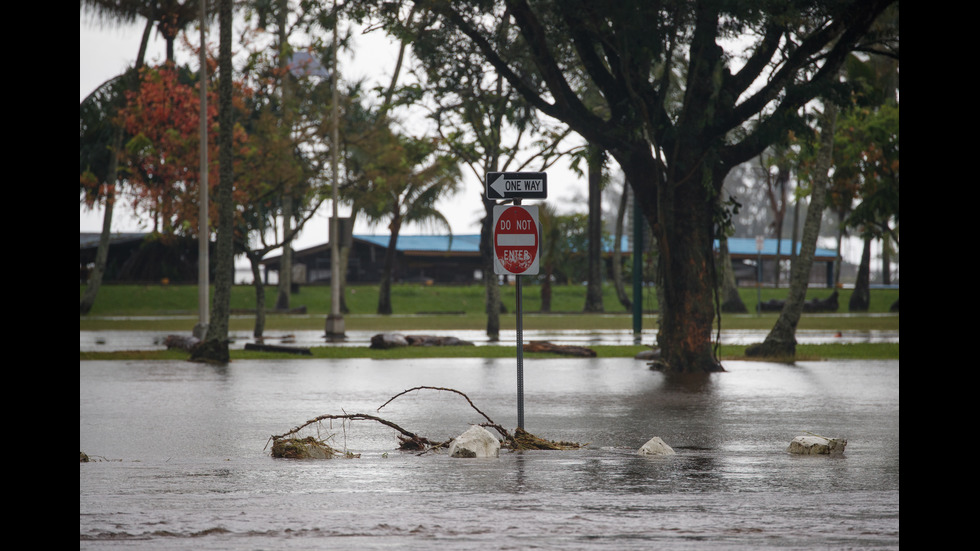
[181,457]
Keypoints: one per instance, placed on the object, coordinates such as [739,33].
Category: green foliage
[866,148]
[96,130]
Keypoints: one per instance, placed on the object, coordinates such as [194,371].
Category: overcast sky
[105,52]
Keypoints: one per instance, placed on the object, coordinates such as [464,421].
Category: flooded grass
[804,352]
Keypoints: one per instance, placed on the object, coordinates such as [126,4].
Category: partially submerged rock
[433,340]
[475,442]
[302,448]
[817,445]
[260,347]
[183,342]
[656,446]
[384,341]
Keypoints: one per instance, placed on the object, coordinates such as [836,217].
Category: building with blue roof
[448,259]
[456,259]
[746,258]
[422,258]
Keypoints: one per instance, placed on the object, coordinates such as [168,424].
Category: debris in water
[302,448]
[288,445]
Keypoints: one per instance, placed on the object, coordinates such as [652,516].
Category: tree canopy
[687,90]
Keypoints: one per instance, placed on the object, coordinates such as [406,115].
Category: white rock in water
[817,445]
[475,442]
[655,446]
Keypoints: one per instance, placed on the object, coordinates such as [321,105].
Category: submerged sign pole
[520,353]
[516,243]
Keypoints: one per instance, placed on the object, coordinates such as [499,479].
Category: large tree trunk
[214,347]
[259,327]
[384,292]
[680,214]
[781,340]
[102,253]
[593,291]
[489,277]
[687,310]
[861,297]
[286,260]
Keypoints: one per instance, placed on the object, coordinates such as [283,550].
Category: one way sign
[517,185]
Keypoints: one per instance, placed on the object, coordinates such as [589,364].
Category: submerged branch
[490,422]
[409,439]
[520,440]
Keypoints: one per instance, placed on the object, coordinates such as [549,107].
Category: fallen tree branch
[409,440]
[521,440]
[490,423]
[564,349]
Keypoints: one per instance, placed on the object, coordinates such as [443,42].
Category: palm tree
[96,114]
[404,178]
[169,16]
[99,108]
[781,340]
[214,347]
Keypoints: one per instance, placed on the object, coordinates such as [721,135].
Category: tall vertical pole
[520,347]
[759,242]
[335,321]
[203,234]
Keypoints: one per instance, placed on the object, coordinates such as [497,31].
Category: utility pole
[335,321]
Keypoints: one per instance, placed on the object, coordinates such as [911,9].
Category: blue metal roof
[470,243]
[436,243]
[746,246]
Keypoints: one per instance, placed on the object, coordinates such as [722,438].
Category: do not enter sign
[515,240]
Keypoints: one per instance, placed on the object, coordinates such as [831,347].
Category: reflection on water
[184,465]
[153,340]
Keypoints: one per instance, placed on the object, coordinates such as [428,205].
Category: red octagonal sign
[515,239]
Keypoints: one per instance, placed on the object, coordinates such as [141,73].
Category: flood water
[180,457]
[103,341]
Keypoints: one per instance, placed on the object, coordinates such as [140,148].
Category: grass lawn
[446,307]
[412,299]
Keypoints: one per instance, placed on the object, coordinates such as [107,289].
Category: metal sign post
[516,243]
